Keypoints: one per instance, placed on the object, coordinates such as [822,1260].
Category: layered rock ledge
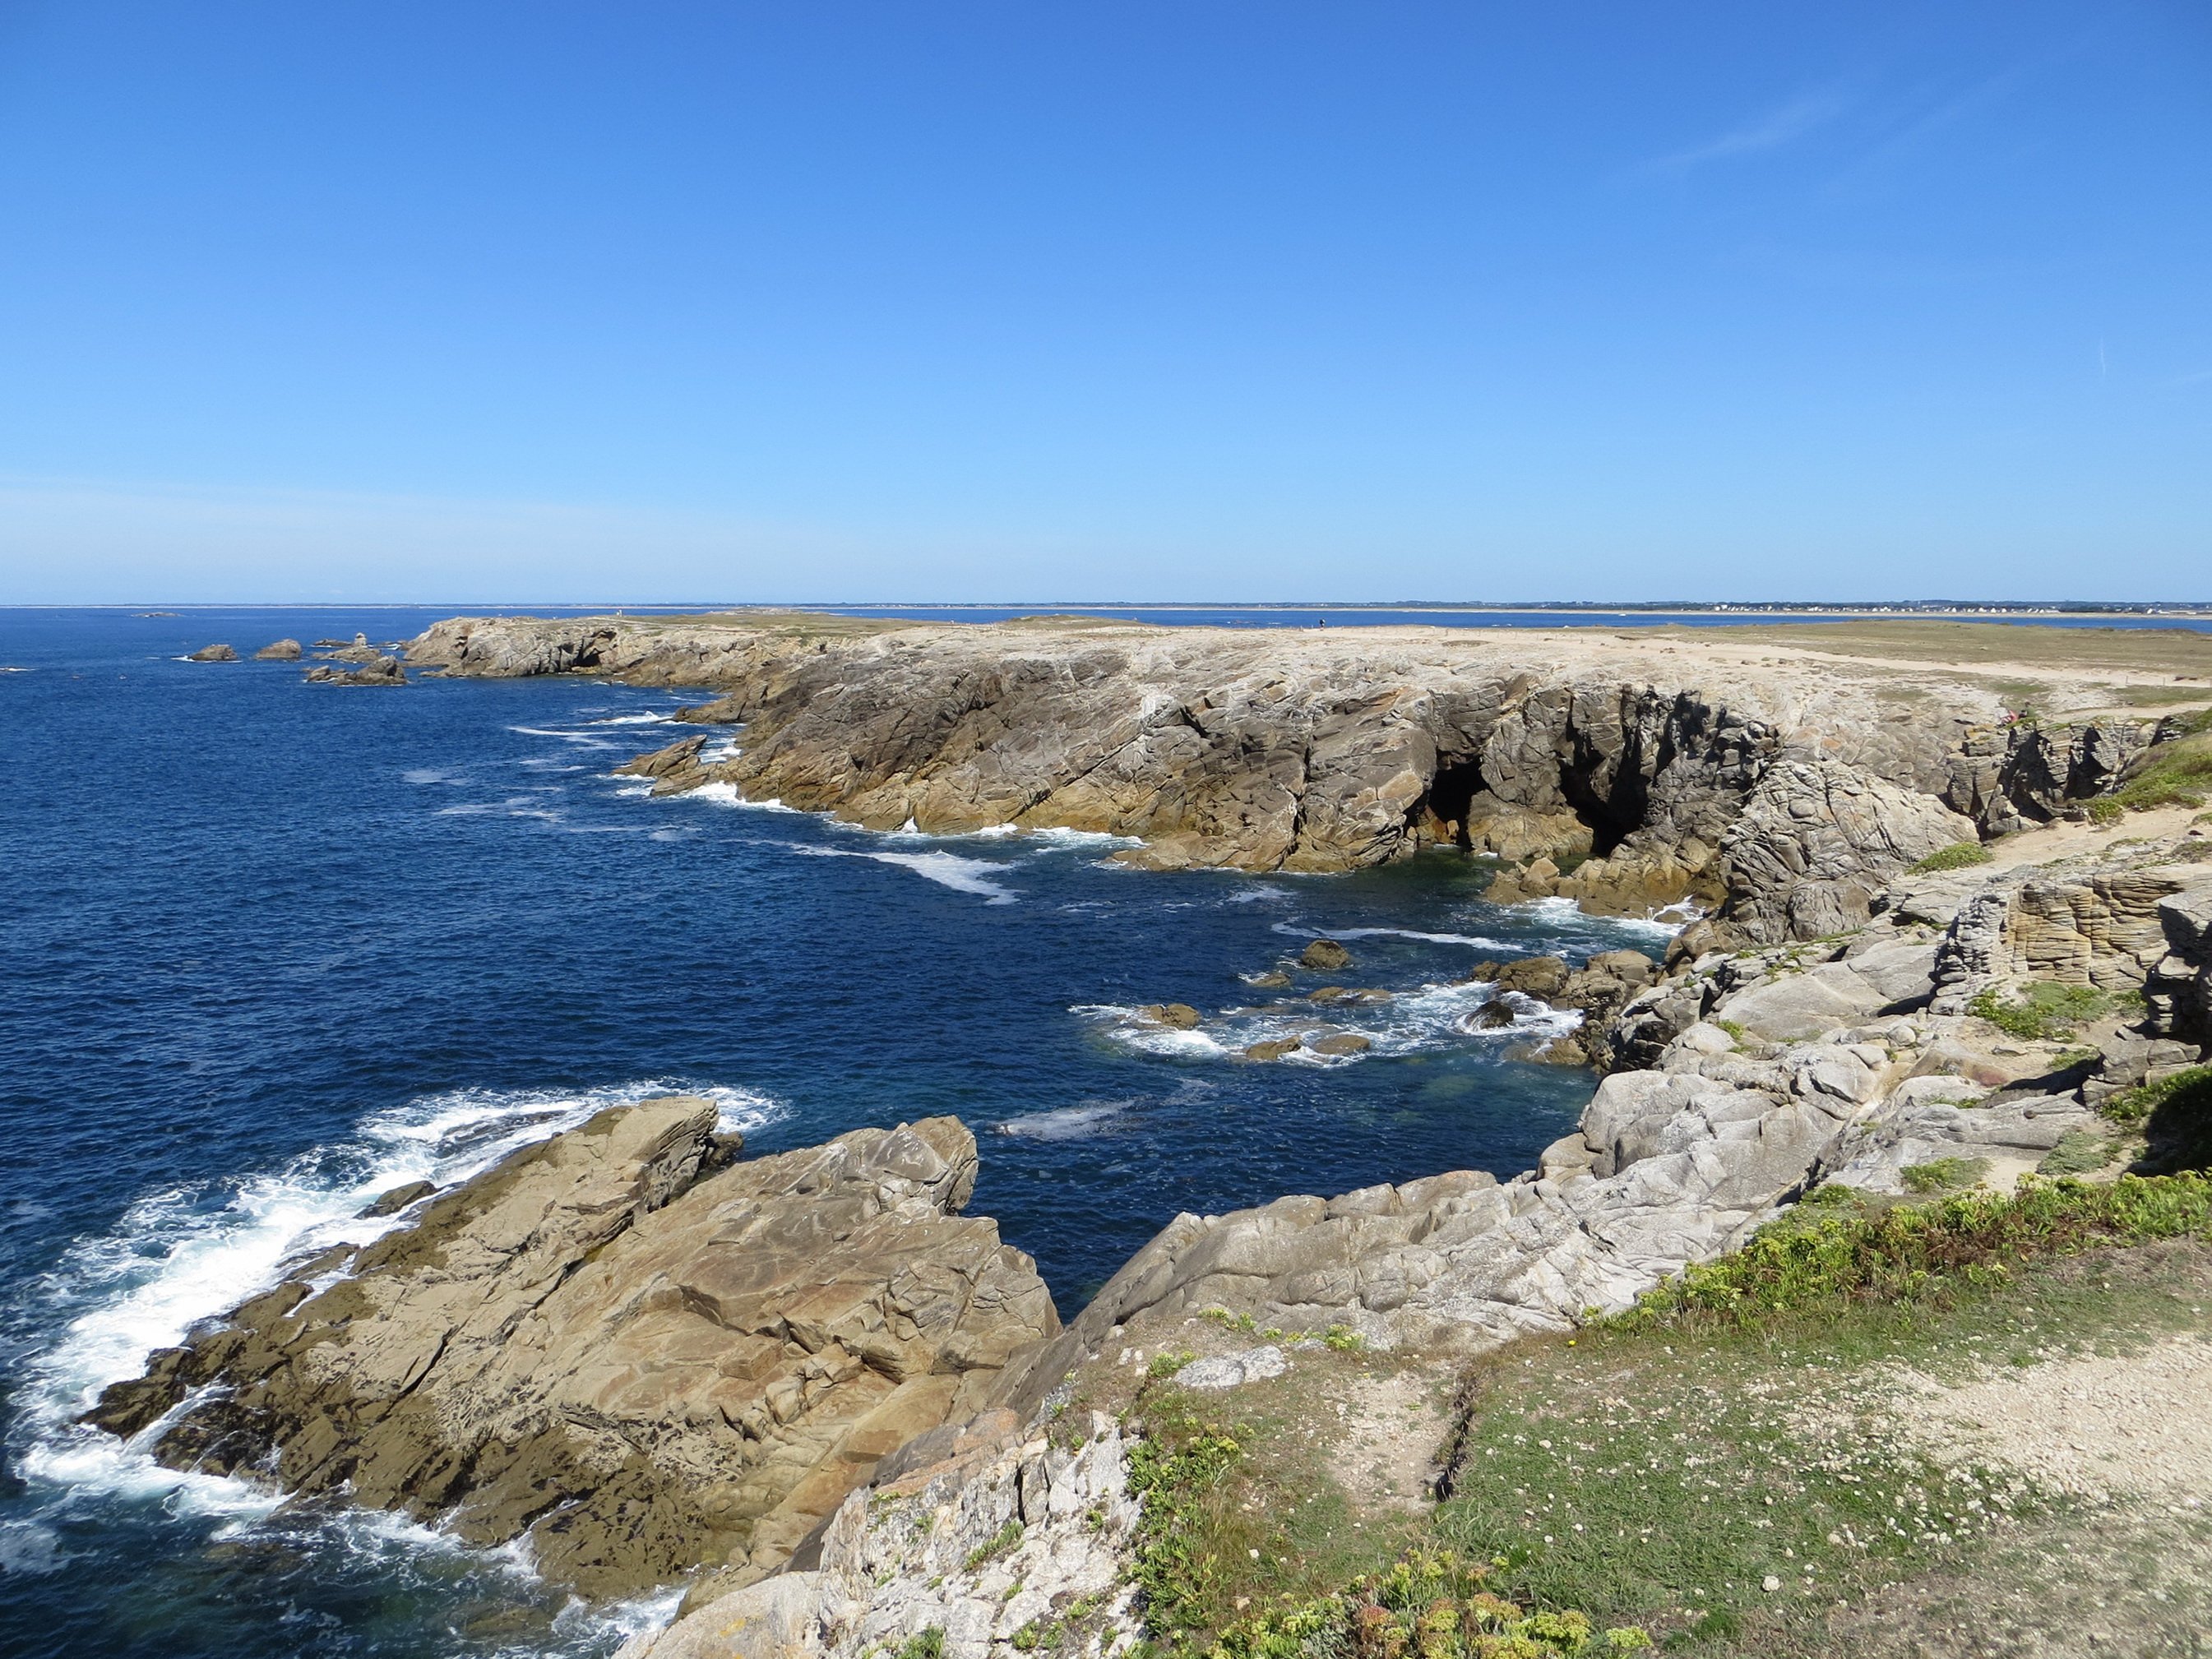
[1628,773]
[620,1345]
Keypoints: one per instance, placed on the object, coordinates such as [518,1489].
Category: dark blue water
[272,947]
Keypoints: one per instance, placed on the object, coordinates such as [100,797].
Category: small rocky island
[1952,981]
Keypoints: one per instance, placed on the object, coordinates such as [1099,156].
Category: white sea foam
[1261,893]
[946,869]
[431,775]
[1079,1122]
[183,1254]
[1082,838]
[638,719]
[1427,1018]
[1564,915]
[727,794]
[1475,941]
[581,740]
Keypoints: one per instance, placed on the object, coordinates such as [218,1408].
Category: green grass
[1898,1254]
[2175,1116]
[997,1544]
[2043,1010]
[2105,811]
[2079,1151]
[1661,1473]
[2178,773]
[1943,1175]
[1960,855]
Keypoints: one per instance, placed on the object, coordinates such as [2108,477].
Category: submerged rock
[1177,1016]
[618,1349]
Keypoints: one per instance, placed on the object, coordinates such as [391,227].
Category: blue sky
[1179,301]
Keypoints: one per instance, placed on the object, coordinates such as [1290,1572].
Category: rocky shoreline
[1628,774]
[812,1390]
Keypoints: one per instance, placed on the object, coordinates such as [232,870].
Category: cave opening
[1451,792]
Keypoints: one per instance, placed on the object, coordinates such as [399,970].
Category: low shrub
[2178,773]
[2079,1151]
[1942,1175]
[2105,810]
[1431,1604]
[2041,1011]
[2133,1106]
[1909,1251]
[1960,855]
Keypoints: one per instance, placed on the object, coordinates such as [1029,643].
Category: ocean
[274,947]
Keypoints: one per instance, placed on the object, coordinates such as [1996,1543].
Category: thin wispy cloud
[1785,123]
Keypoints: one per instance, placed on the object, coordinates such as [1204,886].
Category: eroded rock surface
[639,1355]
[1616,773]
[1002,1542]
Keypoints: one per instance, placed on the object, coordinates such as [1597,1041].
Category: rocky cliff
[619,1345]
[1626,772]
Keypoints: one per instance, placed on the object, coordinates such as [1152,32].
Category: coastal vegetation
[1726,1469]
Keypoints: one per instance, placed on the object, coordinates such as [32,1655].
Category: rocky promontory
[1627,772]
[625,1346]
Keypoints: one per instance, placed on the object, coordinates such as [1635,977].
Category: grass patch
[2043,1010]
[1958,855]
[997,1544]
[1666,1475]
[2079,1151]
[2175,1116]
[1901,1253]
[2173,773]
[1944,1175]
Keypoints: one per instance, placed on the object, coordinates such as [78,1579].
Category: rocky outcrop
[279,651]
[376,669]
[213,653]
[2178,988]
[619,1345]
[1001,1542]
[2008,777]
[1785,799]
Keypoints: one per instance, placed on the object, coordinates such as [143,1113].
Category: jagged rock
[1325,954]
[1816,841]
[609,1344]
[375,669]
[2178,990]
[1786,796]
[1542,977]
[1678,1169]
[1177,1016]
[984,1544]
[213,653]
[397,1198]
[673,770]
[279,651]
[1275,1048]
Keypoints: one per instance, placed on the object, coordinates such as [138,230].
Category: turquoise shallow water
[273,947]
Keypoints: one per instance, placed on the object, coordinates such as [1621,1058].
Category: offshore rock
[376,669]
[279,651]
[213,653]
[613,1347]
